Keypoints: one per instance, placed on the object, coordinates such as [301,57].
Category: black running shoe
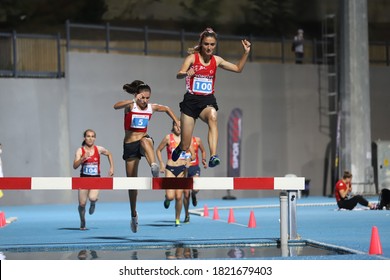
[193,198]
[167,202]
[92,207]
[176,153]
[214,161]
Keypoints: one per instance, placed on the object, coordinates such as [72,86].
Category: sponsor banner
[234,142]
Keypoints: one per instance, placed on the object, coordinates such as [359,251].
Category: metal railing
[32,55]
[146,41]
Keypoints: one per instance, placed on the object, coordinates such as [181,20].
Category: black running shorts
[134,149]
[192,105]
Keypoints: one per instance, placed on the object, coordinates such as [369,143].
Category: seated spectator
[343,194]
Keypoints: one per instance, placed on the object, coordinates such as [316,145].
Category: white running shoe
[155,169]
[134,224]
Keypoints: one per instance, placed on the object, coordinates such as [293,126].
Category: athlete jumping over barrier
[199,69]
[137,143]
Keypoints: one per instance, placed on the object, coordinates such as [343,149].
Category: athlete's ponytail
[132,87]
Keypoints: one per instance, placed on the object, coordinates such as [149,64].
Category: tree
[40,15]
[200,14]
[91,11]
[268,17]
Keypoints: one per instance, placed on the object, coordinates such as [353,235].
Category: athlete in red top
[88,157]
[175,169]
[199,69]
[137,119]
[137,143]
[202,82]
[342,192]
[194,169]
[186,166]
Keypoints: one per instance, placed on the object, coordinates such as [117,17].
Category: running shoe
[177,223]
[82,225]
[187,220]
[155,169]
[167,202]
[176,153]
[193,199]
[92,207]
[134,224]
[214,161]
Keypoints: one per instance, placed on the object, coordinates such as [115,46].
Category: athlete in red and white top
[137,143]
[194,169]
[199,69]
[343,195]
[186,166]
[203,80]
[174,169]
[88,158]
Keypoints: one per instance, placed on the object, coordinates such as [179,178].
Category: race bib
[139,121]
[202,85]
[90,169]
[184,155]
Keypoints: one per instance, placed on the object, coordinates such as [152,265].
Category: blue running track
[56,227]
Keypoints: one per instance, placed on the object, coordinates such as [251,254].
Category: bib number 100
[203,86]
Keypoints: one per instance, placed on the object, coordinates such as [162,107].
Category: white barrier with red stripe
[146,183]
[289,185]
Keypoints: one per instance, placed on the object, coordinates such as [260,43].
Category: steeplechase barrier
[288,187]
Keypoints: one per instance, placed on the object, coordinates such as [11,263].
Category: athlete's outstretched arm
[123,104]
[239,66]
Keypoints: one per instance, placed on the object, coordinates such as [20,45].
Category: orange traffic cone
[205,211]
[216,215]
[252,220]
[375,243]
[231,216]
[2,219]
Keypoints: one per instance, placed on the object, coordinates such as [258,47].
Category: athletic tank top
[195,145]
[172,145]
[137,120]
[91,166]
[202,83]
